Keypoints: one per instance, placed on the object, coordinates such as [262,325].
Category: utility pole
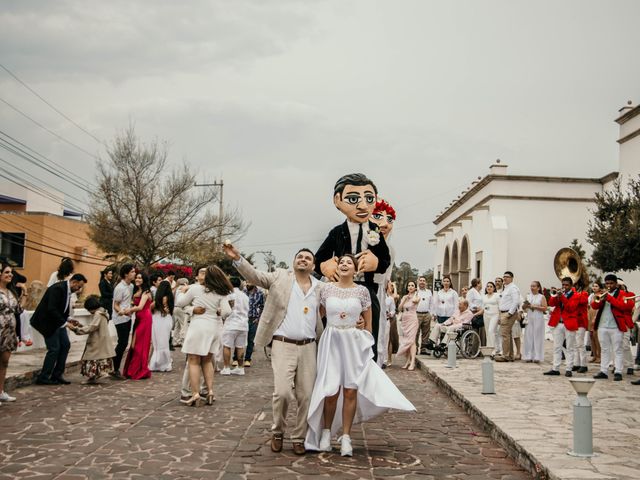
[219,184]
[269,259]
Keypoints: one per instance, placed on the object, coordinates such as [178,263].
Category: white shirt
[239,318]
[509,299]
[390,306]
[302,314]
[474,297]
[354,230]
[122,296]
[445,303]
[426,297]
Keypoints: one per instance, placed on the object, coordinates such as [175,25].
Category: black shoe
[635,382]
[568,373]
[423,352]
[116,375]
[552,372]
[601,376]
[575,368]
[629,371]
[583,370]
[62,381]
[427,352]
[617,377]
[45,381]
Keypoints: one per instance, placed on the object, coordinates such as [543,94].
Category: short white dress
[345,359]
[204,335]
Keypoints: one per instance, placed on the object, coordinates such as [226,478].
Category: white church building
[489,228]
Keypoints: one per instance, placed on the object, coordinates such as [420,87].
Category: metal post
[582,419]
[451,351]
[488,385]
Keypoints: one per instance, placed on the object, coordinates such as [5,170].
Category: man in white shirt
[508,304]
[122,314]
[423,311]
[291,323]
[236,330]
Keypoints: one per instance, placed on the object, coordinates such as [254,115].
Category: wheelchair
[467,343]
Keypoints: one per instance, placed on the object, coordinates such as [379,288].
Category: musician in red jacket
[564,321]
[627,357]
[581,357]
[611,323]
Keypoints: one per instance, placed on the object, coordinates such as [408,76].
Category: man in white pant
[564,321]
[611,324]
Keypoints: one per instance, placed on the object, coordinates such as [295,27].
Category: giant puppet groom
[355,196]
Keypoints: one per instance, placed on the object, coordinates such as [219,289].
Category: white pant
[610,346]
[627,358]
[580,358]
[493,334]
[561,334]
[534,340]
[440,328]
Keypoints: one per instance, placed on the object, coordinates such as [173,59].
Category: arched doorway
[446,264]
[455,266]
[464,263]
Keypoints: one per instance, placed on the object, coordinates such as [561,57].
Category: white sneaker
[325,441]
[237,371]
[225,371]
[345,446]
[5,397]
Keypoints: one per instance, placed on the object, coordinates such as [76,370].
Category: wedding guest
[171,278]
[347,373]
[462,317]
[256,305]
[122,314]
[463,291]
[154,280]
[64,272]
[9,306]
[136,365]
[508,303]
[234,333]
[393,341]
[97,358]
[19,287]
[180,316]
[51,319]
[162,323]
[35,291]
[534,306]
[423,311]
[204,332]
[597,290]
[445,300]
[409,321]
[474,297]
[106,290]
[499,285]
[491,315]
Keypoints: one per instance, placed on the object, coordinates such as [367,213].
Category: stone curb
[519,454]
[29,378]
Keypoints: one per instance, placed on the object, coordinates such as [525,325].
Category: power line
[16,109]
[13,140]
[52,229]
[49,253]
[49,104]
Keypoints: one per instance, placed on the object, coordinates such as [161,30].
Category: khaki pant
[424,327]
[506,326]
[294,373]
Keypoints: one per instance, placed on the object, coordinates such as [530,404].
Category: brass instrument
[567,263]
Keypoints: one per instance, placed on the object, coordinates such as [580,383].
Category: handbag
[477,321]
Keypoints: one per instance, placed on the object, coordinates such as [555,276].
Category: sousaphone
[567,263]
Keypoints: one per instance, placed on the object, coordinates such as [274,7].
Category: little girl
[99,349]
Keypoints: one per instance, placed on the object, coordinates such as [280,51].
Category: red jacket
[567,309]
[583,310]
[620,307]
[628,314]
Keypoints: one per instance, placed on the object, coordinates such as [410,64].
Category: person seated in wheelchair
[459,321]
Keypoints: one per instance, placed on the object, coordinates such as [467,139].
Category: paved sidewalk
[531,415]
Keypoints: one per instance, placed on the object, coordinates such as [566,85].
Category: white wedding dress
[345,359]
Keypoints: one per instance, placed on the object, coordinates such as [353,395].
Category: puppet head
[355,196]
[384,215]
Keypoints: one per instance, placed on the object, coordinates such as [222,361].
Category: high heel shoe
[346,450]
[210,399]
[194,401]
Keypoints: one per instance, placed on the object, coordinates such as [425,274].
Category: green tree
[402,274]
[614,230]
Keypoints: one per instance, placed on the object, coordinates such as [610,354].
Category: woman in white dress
[347,378]
[534,306]
[492,317]
[161,328]
[204,334]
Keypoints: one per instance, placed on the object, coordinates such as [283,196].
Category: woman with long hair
[64,271]
[534,306]
[9,307]
[492,317]
[410,323]
[136,366]
[204,333]
[161,330]
[347,378]
[445,301]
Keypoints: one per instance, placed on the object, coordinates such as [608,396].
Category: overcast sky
[280,98]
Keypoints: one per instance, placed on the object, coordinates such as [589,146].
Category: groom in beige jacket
[291,323]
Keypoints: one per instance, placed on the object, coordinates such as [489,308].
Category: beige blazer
[99,344]
[280,285]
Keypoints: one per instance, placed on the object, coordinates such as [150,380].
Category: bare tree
[146,211]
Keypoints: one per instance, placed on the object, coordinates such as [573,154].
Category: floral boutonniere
[305,310]
[373,237]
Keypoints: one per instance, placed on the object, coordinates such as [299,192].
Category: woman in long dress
[347,378]
[410,323]
[534,306]
[162,323]
[9,305]
[203,338]
[136,366]
[492,317]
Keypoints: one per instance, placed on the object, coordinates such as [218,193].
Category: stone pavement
[531,415]
[139,430]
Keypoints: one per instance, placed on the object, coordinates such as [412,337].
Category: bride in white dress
[347,378]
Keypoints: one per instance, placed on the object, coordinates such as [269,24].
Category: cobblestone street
[140,430]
